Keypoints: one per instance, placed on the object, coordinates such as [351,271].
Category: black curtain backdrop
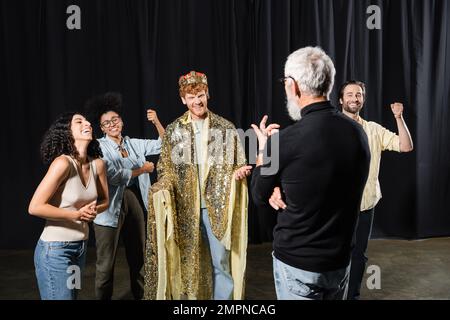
[140,48]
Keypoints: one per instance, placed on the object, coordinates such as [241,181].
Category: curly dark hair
[101,104]
[58,140]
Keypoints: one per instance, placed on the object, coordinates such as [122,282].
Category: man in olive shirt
[352,96]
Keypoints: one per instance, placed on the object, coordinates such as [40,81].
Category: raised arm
[153,117]
[406,143]
[263,184]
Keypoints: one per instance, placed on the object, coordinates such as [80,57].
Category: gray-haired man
[324,162]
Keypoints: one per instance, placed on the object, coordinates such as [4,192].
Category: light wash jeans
[59,267]
[297,284]
[222,280]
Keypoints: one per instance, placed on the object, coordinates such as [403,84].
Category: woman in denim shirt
[129,183]
[70,195]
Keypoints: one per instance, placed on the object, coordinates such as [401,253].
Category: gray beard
[293,110]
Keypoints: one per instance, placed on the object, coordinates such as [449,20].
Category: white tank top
[71,195]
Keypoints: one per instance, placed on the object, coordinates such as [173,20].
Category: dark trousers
[131,227]
[359,256]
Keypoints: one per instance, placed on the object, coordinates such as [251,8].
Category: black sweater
[323,167]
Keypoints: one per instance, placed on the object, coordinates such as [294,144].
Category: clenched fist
[397,109]
[148,167]
[152,116]
[88,212]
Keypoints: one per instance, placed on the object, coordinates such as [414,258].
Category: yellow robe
[177,261]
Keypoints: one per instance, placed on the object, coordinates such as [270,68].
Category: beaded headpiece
[192,77]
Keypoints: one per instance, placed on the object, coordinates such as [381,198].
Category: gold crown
[192,77]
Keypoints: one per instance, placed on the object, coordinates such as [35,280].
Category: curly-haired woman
[71,194]
[128,183]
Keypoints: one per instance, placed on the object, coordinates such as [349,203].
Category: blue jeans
[222,280]
[297,284]
[59,267]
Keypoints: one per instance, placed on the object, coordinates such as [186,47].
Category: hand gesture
[148,167]
[152,116]
[263,132]
[276,200]
[397,109]
[88,212]
[242,172]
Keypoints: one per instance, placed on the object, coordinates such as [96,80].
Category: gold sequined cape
[177,261]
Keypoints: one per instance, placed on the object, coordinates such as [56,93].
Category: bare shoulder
[60,166]
[99,164]
[60,163]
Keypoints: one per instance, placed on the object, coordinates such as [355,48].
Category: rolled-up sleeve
[116,176]
[148,147]
[389,140]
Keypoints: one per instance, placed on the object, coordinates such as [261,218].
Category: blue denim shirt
[119,170]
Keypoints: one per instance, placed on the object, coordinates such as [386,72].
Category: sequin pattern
[181,178]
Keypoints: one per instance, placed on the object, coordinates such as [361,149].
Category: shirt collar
[317,106]
[189,117]
[114,144]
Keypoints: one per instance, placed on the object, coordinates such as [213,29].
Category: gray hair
[313,70]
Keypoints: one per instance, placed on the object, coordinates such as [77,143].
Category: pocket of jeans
[294,285]
[82,249]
